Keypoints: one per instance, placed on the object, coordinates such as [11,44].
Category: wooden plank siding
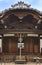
[31,45]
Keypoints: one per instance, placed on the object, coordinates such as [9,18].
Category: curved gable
[21,18]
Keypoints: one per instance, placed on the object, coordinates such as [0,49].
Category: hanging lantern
[20,39]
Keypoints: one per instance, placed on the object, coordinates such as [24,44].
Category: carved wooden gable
[21,17]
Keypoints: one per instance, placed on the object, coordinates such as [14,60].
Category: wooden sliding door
[10,45]
[13,45]
[28,45]
[31,45]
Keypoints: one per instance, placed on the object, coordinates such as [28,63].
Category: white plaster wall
[40,45]
[0,45]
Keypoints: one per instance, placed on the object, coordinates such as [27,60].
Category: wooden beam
[29,31]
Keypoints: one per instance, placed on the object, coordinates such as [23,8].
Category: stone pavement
[29,63]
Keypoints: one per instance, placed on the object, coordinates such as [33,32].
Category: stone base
[20,60]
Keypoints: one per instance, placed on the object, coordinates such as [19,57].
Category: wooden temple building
[20,30]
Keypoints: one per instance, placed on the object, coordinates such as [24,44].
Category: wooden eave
[14,11]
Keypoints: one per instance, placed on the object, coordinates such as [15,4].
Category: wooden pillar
[39,42]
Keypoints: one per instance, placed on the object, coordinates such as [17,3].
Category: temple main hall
[21,35]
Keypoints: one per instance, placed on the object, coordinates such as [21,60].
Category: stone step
[28,63]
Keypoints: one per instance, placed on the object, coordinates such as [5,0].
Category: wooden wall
[10,45]
[31,45]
